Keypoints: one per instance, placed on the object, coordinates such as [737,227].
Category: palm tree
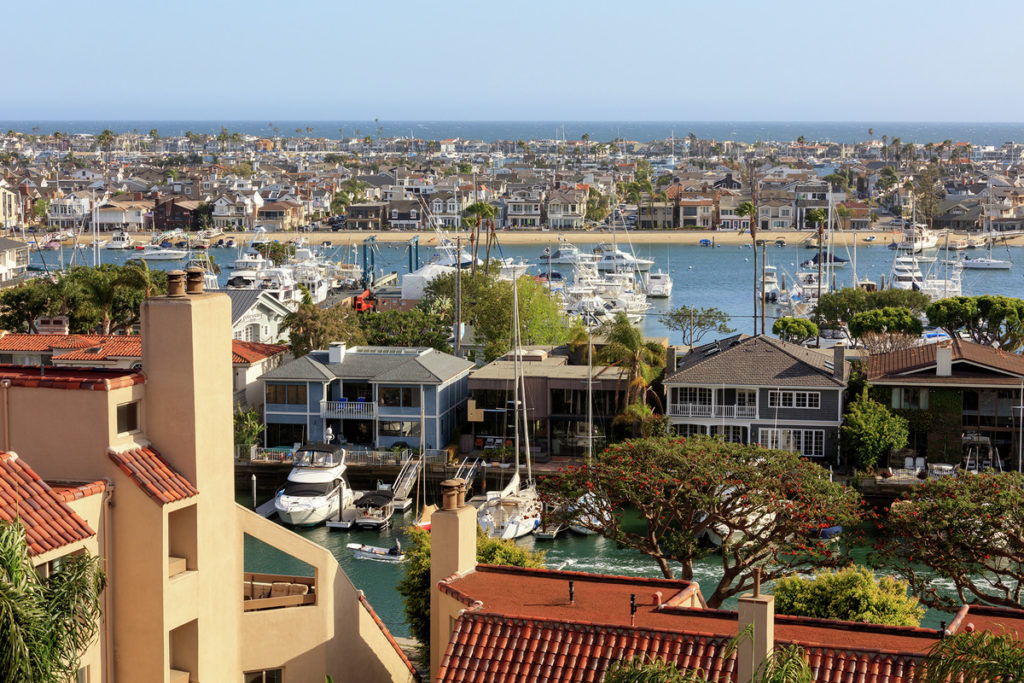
[100,288]
[475,214]
[975,658]
[137,273]
[45,624]
[749,211]
[626,348]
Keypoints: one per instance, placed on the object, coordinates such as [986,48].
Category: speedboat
[659,285]
[372,552]
[316,488]
[120,240]
[154,252]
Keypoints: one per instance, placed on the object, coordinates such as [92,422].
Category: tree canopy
[850,594]
[626,348]
[766,506]
[415,327]
[311,327]
[889,320]
[990,319]
[871,432]
[836,308]
[487,305]
[965,530]
[695,323]
[795,330]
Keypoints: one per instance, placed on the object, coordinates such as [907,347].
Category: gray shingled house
[760,389]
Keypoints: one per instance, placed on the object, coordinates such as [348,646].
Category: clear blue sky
[760,60]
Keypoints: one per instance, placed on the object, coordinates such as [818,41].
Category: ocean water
[721,277]
[919,132]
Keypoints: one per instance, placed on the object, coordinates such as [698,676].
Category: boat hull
[306,514]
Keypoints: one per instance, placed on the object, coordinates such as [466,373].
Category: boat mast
[590,398]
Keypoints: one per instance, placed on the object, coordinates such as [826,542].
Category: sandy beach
[686,237]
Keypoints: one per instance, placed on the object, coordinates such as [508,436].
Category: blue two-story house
[369,396]
[761,390]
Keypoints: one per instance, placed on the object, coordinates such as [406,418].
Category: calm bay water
[721,277]
[919,132]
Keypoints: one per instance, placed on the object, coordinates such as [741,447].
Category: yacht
[659,285]
[245,272]
[316,488]
[906,273]
[918,239]
[615,259]
[985,263]
[567,254]
[152,252]
[120,240]
[771,284]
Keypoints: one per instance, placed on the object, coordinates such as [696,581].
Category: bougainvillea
[766,506]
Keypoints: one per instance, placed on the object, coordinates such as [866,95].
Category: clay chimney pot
[176,283]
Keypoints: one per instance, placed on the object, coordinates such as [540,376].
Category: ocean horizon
[977,133]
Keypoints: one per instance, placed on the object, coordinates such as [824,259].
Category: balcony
[708,410]
[362,410]
[273,591]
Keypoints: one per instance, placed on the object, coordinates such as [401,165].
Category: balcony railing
[707,410]
[342,409]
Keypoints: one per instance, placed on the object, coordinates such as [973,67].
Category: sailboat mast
[590,398]
[515,371]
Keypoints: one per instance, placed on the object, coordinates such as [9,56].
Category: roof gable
[758,361]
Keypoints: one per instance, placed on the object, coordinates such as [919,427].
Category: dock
[267,509]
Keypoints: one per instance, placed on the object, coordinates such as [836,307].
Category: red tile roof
[913,363]
[253,352]
[70,378]
[154,475]
[69,491]
[49,522]
[520,625]
[97,347]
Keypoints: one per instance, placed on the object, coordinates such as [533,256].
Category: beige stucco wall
[336,636]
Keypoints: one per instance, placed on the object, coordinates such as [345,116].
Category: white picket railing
[706,410]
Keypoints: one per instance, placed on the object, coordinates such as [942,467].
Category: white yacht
[120,240]
[918,239]
[153,252]
[771,284]
[567,254]
[985,263]
[906,273]
[316,488]
[245,272]
[616,260]
[659,285]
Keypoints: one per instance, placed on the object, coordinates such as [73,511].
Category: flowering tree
[968,530]
[766,506]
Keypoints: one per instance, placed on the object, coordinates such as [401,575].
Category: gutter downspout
[5,385]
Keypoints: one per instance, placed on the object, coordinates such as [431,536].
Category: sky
[756,60]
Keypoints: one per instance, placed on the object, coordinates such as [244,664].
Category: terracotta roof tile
[68,491]
[47,342]
[154,475]
[49,522]
[70,378]
[919,358]
[253,352]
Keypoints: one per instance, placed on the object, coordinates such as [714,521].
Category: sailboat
[584,524]
[515,511]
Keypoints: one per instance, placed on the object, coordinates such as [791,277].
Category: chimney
[756,612]
[194,281]
[944,359]
[336,353]
[838,361]
[452,551]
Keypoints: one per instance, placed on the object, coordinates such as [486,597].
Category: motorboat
[374,509]
[825,257]
[316,488]
[245,272]
[152,252]
[120,240]
[372,552]
[771,284]
[567,254]
[918,239]
[906,273]
[985,263]
[659,285]
[614,259]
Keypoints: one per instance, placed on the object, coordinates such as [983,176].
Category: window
[746,397]
[128,417]
[399,397]
[810,443]
[700,395]
[286,394]
[794,399]
[691,430]
[911,398]
[266,676]
[399,429]
[730,433]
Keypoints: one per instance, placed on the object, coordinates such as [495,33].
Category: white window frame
[811,400]
[808,443]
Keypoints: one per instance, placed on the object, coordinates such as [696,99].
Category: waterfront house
[760,390]
[492,623]
[257,316]
[281,216]
[232,212]
[175,213]
[566,209]
[137,469]
[13,261]
[405,214]
[951,388]
[523,208]
[372,396]
[69,211]
[366,216]
[10,207]
[123,213]
[446,208]
[556,405]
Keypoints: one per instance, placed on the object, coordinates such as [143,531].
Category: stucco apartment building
[135,466]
